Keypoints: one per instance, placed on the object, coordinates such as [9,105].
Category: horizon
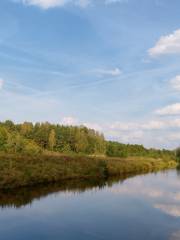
[110,65]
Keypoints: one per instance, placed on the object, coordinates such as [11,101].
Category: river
[139,207]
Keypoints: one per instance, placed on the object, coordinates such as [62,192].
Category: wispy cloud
[169,44]
[108,72]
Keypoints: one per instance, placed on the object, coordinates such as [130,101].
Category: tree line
[32,139]
[35,138]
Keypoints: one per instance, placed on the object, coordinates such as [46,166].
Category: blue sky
[113,65]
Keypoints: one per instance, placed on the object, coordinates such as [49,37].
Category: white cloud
[175,83]
[161,133]
[1,83]
[115,1]
[154,124]
[70,121]
[160,124]
[122,126]
[173,123]
[128,129]
[150,125]
[94,126]
[45,4]
[135,136]
[145,132]
[173,109]
[108,72]
[169,44]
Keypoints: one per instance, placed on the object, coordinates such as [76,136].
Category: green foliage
[66,149]
[15,143]
[26,129]
[116,149]
[3,138]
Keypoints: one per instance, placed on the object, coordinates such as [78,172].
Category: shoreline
[23,171]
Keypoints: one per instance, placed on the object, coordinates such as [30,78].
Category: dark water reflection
[140,207]
[21,197]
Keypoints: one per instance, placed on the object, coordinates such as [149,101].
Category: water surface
[140,207]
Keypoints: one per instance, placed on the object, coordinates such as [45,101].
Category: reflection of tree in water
[178,171]
[23,196]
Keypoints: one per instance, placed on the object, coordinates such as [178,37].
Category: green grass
[19,171]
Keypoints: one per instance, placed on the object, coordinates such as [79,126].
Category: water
[140,207]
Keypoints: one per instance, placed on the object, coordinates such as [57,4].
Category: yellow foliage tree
[52,139]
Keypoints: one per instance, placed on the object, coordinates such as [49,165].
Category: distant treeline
[116,149]
[29,138]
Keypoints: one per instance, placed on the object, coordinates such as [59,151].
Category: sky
[111,65]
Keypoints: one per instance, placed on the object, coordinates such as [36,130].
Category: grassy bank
[19,171]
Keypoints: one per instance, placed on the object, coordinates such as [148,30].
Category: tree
[41,134]
[81,142]
[26,129]
[15,143]
[52,139]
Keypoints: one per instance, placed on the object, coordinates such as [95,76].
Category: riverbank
[21,171]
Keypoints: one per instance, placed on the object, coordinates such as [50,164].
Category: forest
[33,139]
[39,153]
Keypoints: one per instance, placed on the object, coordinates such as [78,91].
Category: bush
[32,148]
